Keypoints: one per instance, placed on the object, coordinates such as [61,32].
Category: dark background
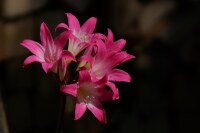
[164,36]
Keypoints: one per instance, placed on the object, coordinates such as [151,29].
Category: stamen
[89,99]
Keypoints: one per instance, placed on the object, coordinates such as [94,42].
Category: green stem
[61,113]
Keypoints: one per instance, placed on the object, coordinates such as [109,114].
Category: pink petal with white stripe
[89,26]
[33,47]
[73,22]
[45,35]
[31,59]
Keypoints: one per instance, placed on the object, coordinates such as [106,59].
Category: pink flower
[114,46]
[108,56]
[50,52]
[81,37]
[113,58]
[91,79]
[89,95]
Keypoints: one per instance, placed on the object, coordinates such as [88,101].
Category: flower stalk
[61,112]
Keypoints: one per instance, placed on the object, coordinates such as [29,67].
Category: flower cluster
[86,69]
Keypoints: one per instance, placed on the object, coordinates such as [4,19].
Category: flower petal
[70,89]
[101,50]
[46,66]
[61,40]
[62,67]
[34,47]
[68,55]
[118,45]
[75,44]
[124,56]
[86,58]
[119,75]
[116,58]
[84,76]
[98,111]
[85,62]
[114,46]
[31,59]
[80,110]
[73,22]
[62,25]
[97,36]
[110,38]
[101,83]
[114,89]
[45,35]
[89,26]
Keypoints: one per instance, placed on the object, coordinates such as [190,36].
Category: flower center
[83,36]
[50,57]
[88,99]
[85,95]
[51,53]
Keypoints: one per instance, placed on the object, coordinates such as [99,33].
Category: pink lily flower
[109,55]
[50,52]
[114,53]
[105,62]
[89,95]
[81,36]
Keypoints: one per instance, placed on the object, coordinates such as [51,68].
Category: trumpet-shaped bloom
[108,56]
[89,95]
[81,36]
[105,62]
[50,51]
